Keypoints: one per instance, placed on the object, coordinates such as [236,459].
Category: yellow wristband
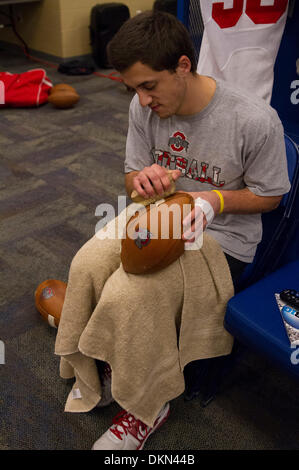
[219,194]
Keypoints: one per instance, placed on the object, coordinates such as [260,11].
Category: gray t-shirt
[236,141]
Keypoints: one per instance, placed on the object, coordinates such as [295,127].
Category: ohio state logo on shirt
[178,142]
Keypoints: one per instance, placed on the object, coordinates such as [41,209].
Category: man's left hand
[195,222]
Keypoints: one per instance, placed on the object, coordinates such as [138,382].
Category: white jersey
[241,41]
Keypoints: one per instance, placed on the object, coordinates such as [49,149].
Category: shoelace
[125,423]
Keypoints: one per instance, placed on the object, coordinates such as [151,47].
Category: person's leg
[205,375]
[90,268]
[133,329]
[236,268]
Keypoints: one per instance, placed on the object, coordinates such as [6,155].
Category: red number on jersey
[267,14]
[259,14]
[227,17]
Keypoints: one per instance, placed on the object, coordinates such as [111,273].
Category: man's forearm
[241,201]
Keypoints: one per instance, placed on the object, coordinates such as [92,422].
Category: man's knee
[96,255]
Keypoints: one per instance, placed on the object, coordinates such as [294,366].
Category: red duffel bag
[26,89]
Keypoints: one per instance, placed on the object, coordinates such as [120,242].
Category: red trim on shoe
[130,425]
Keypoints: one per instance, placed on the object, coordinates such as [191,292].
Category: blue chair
[285,77]
[250,310]
[252,315]
[279,228]
[253,318]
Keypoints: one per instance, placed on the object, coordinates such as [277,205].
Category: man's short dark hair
[154,38]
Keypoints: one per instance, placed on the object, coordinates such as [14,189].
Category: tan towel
[147,327]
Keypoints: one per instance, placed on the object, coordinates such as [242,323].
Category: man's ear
[184,65]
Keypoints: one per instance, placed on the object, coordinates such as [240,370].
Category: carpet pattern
[56,167]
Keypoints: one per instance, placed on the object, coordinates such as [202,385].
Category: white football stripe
[51,321]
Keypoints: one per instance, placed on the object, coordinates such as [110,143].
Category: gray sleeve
[265,170]
[138,151]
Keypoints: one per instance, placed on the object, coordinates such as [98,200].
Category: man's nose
[144,98]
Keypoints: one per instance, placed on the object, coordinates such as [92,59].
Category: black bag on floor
[170,6]
[77,67]
[105,21]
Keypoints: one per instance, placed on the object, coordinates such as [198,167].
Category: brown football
[63,99]
[49,299]
[62,87]
[153,235]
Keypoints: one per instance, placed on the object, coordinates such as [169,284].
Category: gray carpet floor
[56,166]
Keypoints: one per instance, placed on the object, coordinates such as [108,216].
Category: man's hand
[195,222]
[153,180]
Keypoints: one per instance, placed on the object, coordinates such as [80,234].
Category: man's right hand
[153,180]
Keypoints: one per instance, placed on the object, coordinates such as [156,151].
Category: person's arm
[265,175]
[241,201]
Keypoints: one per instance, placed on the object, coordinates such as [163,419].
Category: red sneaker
[129,433]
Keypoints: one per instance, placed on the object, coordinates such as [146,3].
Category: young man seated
[225,148]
